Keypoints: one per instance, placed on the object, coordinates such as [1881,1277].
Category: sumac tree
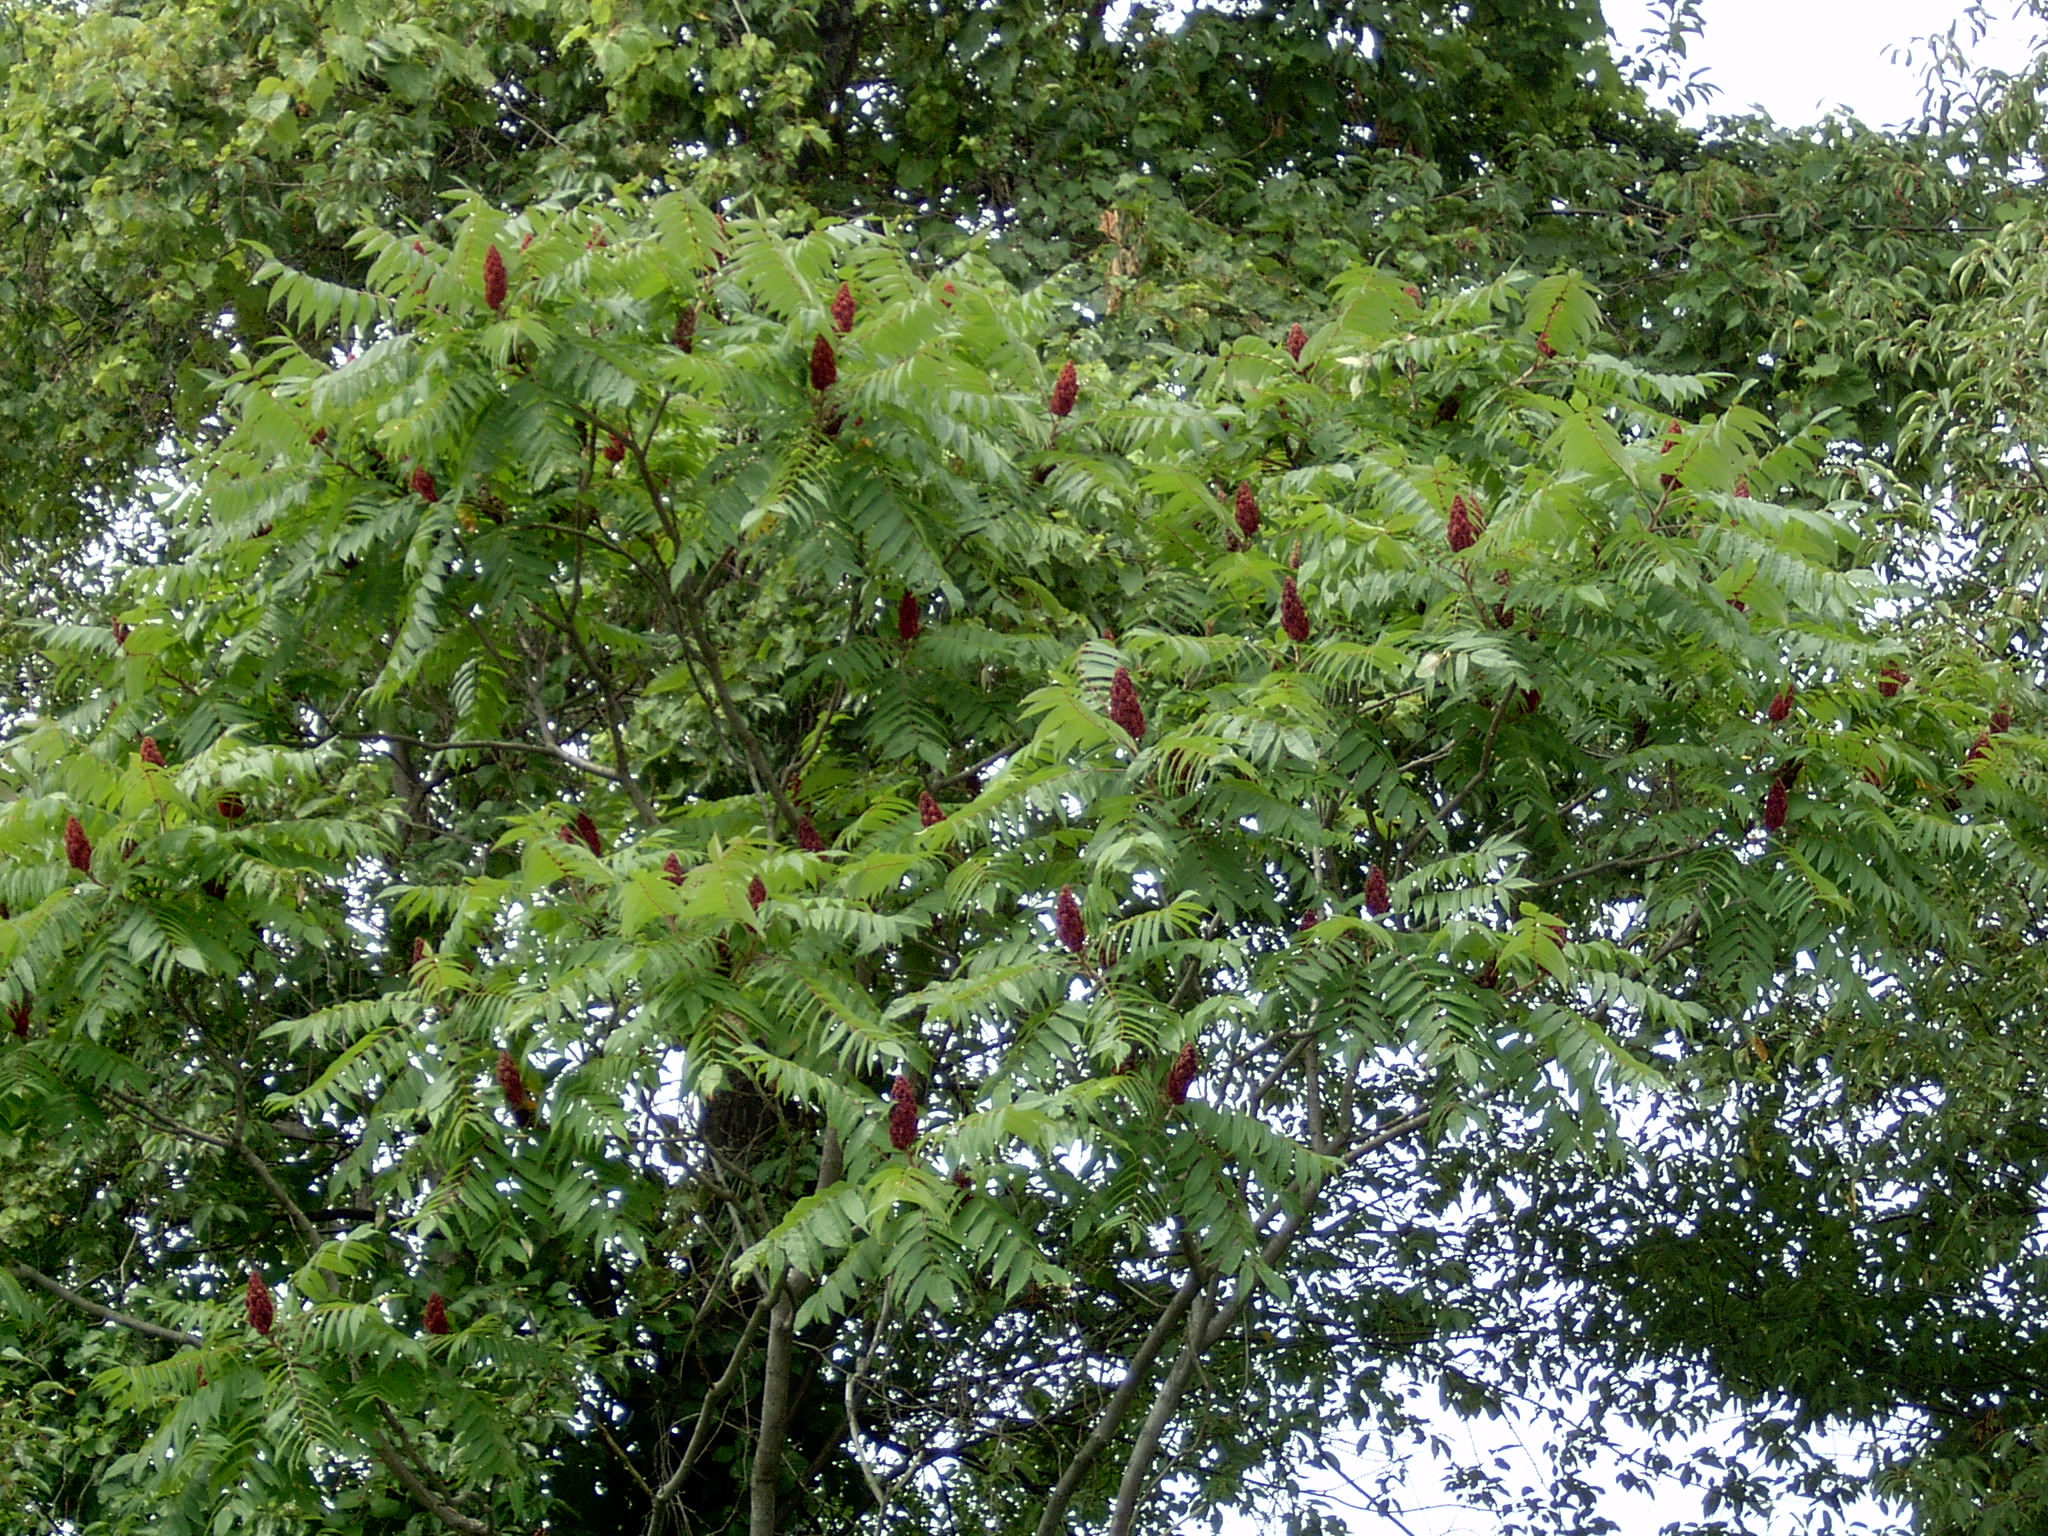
[647,1114]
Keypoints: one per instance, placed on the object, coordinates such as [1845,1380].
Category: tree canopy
[821,770]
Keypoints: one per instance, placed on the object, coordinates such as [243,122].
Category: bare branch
[554,750]
[1111,1419]
[1139,1467]
[765,777]
[701,1435]
[1640,861]
[105,1314]
[422,1495]
[764,1483]
[1443,813]
[852,1393]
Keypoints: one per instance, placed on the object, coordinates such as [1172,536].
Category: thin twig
[853,1380]
[1443,813]
[1640,861]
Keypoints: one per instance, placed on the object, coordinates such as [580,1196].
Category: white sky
[1799,59]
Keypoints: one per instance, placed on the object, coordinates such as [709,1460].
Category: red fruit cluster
[909,617]
[685,333]
[1742,488]
[1978,749]
[1307,920]
[1891,677]
[757,892]
[494,279]
[419,950]
[672,867]
[231,807]
[929,811]
[1376,900]
[77,846]
[902,1114]
[2001,720]
[513,1082]
[808,837]
[583,830]
[1463,529]
[1066,920]
[1247,511]
[1781,705]
[1124,707]
[21,1011]
[261,1309]
[1293,616]
[423,485]
[121,634]
[1066,389]
[1297,338]
[615,448]
[152,753]
[435,1318]
[843,309]
[1776,802]
[824,365]
[1671,482]
[1182,1073]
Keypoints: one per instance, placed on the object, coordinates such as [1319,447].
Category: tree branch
[1139,1467]
[235,1144]
[1053,1517]
[715,1395]
[105,1314]
[422,1495]
[554,750]
[750,744]
[1637,862]
[299,1219]
[852,1394]
[764,1484]
[601,676]
[1444,811]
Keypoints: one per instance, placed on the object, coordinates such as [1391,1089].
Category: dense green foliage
[620,803]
